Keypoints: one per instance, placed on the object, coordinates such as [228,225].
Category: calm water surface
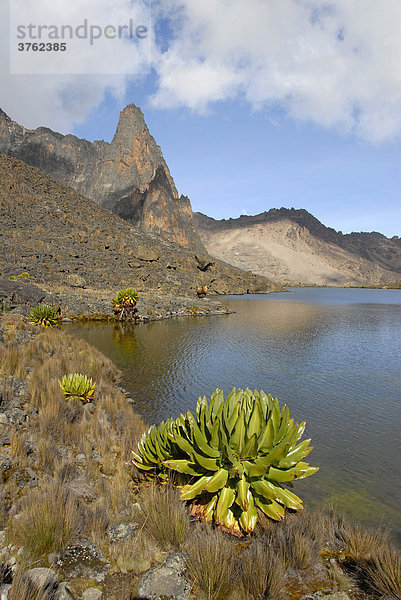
[333,355]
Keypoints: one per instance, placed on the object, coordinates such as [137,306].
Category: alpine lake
[333,355]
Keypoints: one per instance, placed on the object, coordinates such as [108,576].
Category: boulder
[166,581]
[121,532]
[25,476]
[83,559]
[75,280]
[92,594]
[63,592]
[82,489]
[146,254]
[41,578]
[19,292]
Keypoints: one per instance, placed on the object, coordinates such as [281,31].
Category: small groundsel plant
[124,303]
[237,455]
[79,386]
[24,275]
[45,315]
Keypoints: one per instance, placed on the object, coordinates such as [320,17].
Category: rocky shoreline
[91,304]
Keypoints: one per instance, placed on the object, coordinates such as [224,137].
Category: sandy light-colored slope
[287,252]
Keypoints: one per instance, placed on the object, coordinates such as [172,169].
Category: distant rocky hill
[292,246]
[128,176]
[61,238]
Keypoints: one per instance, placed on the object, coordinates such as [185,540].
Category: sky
[256,105]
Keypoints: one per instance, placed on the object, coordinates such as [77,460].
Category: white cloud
[84,72]
[335,64]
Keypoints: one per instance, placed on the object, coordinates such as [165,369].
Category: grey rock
[5,464]
[92,594]
[25,476]
[146,254]
[177,562]
[325,596]
[166,581]
[63,592]
[62,451]
[75,280]
[19,292]
[83,559]
[96,456]
[16,416]
[3,419]
[30,447]
[4,591]
[80,458]
[81,488]
[119,532]
[41,578]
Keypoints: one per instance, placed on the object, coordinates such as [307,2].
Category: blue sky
[234,160]
[255,105]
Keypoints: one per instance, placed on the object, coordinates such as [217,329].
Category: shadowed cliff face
[128,176]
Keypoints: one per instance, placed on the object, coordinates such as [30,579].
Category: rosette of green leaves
[78,385]
[236,456]
[45,315]
[125,298]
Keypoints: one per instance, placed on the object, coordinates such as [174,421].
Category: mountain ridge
[293,246]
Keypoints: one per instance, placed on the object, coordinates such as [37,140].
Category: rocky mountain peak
[128,176]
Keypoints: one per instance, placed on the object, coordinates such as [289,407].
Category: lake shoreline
[36,460]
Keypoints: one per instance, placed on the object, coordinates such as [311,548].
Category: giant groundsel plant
[236,456]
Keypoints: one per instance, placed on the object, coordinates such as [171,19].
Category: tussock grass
[211,564]
[11,364]
[137,555]
[383,572]
[165,517]
[261,572]
[49,519]
[17,445]
[361,543]
[293,543]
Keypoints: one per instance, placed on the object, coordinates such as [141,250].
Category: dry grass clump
[361,543]
[11,364]
[383,572]
[293,542]
[137,555]
[212,564]
[49,519]
[165,517]
[261,572]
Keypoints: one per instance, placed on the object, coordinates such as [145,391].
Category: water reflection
[332,355]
